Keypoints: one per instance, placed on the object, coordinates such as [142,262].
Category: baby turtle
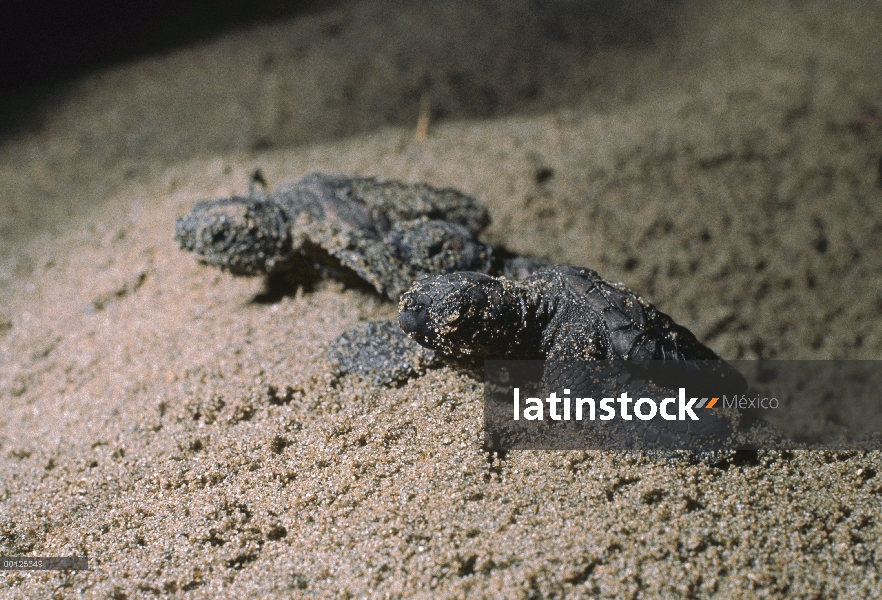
[388,233]
[577,322]
[560,312]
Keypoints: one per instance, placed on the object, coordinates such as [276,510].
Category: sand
[186,433]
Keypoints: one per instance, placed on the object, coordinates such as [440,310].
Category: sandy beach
[187,434]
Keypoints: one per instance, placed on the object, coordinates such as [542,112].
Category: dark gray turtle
[390,234]
[560,312]
[556,313]
[577,322]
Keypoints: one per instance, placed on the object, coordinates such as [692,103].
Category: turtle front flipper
[379,351]
[408,252]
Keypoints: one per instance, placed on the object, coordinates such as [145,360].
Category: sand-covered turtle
[588,330]
[559,312]
[536,312]
[389,234]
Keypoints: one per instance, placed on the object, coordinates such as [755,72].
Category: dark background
[43,41]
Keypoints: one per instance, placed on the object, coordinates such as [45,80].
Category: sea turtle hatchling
[388,233]
[586,329]
[558,312]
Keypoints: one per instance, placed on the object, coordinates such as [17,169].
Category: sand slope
[721,158]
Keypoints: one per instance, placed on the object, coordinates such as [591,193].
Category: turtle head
[243,235]
[465,317]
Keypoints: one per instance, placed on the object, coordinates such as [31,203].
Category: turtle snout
[413,314]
